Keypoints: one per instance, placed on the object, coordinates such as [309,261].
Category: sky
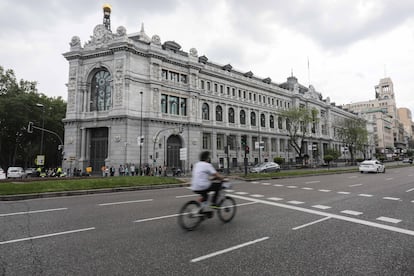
[341,47]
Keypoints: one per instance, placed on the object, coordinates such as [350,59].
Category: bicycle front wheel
[227,209]
[189,217]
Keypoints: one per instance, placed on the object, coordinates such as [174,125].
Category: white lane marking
[278,185]
[32,212]
[409,190]
[343,193]
[325,191]
[307,188]
[412,201]
[124,202]
[275,198]
[291,187]
[350,212]
[227,250]
[266,184]
[323,207]
[229,190]
[389,178]
[387,219]
[325,214]
[176,215]
[295,202]
[365,195]
[391,198]
[310,182]
[355,185]
[310,223]
[241,193]
[352,176]
[411,175]
[254,182]
[186,196]
[48,235]
[257,195]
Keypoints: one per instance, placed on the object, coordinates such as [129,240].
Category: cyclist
[203,173]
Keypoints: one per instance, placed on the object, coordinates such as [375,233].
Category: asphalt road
[344,224]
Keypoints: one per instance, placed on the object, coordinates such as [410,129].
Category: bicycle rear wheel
[227,209]
[189,217]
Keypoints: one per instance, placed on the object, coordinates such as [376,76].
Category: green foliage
[353,133]
[18,101]
[328,158]
[298,120]
[279,160]
[360,159]
[334,153]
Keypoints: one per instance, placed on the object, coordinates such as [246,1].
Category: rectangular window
[206,141]
[183,106]
[228,91]
[221,89]
[202,84]
[244,94]
[220,141]
[254,97]
[208,86]
[273,144]
[173,105]
[164,74]
[183,78]
[174,76]
[239,93]
[260,98]
[233,92]
[164,99]
[250,96]
[215,87]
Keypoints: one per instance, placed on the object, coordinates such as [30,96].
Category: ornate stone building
[122,87]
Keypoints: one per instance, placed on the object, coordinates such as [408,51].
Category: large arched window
[205,111]
[101,93]
[262,120]
[231,115]
[280,122]
[253,119]
[219,113]
[242,117]
[272,121]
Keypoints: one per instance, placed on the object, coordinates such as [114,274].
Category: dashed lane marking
[254,182]
[389,178]
[32,212]
[291,187]
[350,212]
[278,185]
[409,190]
[295,202]
[323,190]
[387,219]
[391,198]
[275,198]
[343,193]
[307,188]
[257,195]
[266,184]
[323,207]
[310,223]
[124,202]
[365,195]
[311,182]
[325,214]
[355,185]
[241,193]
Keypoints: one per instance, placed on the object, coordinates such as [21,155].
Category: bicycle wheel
[227,209]
[189,217]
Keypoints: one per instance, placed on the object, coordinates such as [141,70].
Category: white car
[16,172]
[371,166]
[265,167]
[2,174]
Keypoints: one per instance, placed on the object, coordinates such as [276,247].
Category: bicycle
[192,214]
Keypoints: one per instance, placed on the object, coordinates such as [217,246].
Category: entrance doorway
[173,152]
[99,148]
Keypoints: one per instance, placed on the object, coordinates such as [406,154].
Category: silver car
[16,172]
[372,166]
[265,167]
[2,174]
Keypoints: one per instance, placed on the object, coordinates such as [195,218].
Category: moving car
[265,167]
[371,166]
[16,172]
[2,174]
[408,160]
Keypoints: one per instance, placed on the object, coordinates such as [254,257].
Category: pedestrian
[132,169]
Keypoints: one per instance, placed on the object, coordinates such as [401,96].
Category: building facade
[135,100]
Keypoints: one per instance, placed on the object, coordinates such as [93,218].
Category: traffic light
[247,149]
[244,140]
[30,127]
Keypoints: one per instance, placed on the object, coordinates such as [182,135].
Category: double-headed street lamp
[43,126]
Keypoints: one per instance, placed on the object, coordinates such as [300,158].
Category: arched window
[101,96]
[253,119]
[262,120]
[242,117]
[205,111]
[272,121]
[231,115]
[219,113]
[280,122]
[287,124]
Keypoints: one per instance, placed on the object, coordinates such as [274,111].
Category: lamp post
[43,126]
[140,139]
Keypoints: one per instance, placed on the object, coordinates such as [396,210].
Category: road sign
[183,153]
[40,160]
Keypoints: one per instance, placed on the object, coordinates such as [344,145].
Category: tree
[297,122]
[333,152]
[353,133]
[17,107]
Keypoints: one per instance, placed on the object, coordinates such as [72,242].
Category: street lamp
[140,139]
[43,126]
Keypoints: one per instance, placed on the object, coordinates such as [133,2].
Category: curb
[87,192]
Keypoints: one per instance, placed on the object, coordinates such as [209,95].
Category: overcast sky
[350,44]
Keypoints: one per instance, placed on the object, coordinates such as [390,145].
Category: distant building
[130,90]
[381,114]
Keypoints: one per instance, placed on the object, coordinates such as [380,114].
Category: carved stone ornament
[193,52]
[75,42]
[117,138]
[156,40]
[121,31]
[101,35]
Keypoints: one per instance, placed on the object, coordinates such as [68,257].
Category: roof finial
[291,72]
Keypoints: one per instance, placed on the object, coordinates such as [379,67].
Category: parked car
[408,160]
[371,166]
[30,171]
[16,172]
[265,167]
[2,174]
